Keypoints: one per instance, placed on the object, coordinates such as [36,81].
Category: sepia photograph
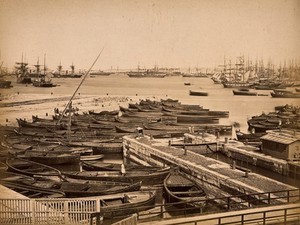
[141,112]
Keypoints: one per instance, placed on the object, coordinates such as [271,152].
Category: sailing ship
[237,77]
[22,72]
[41,81]
[4,83]
[59,73]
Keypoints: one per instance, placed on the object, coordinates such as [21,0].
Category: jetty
[199,167]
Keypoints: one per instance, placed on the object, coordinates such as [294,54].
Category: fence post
[288,196]
[269,198]
[285,215]
[66,210]
[97,205]
[161,212]
[264,218]
[33,210]
[242,219]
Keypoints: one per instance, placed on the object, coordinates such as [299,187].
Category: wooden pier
[204,169]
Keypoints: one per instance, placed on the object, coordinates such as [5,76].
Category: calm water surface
[240,107]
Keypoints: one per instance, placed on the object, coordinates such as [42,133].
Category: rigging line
[61,116]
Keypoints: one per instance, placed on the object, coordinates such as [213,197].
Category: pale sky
[168,33]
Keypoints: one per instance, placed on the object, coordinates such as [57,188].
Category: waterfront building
[282,145]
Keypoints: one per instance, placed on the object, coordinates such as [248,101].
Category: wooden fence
[47,211]
[87,211]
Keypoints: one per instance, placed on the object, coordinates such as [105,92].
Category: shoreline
[23,106]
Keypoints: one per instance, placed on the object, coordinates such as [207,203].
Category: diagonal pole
[61,116]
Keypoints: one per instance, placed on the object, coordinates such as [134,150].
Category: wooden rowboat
[147,177]
[91,157]
[179,188]
[18,183]
[77,188]
[52,158]
[30,168]
[198,93]
[101,166]
[126,203]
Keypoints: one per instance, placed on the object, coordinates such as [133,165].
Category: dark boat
[130,129]
[33,192]
[5,83]
[252,137]
[197,119]
[147,177]
[79,188]
[91,157]
[101,166]
[198,93]
[108,148]
[260,128]
[236,84]
[59,73]
[100,73]
[284,94]
[244,92]
[126,203]
[202,112]
[179,188]
[52,158]
[22,73]
[40,79]
[124,109]
[41,82]
[104,113]
[30,168]
[149,73]
[24,123]
[18,183]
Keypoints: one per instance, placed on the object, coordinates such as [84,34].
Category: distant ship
[147,73]
[152,73]
[4,83]
[41,81]
[100,73]
[22,73]
[200,75]
[59,73]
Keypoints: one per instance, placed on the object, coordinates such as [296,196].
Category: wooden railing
[282,216]
[47,211]
[222,204]
[87,211]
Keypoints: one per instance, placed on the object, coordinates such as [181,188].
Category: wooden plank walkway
[202,168]
[271,214]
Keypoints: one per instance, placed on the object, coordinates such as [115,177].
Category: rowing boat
[147,177]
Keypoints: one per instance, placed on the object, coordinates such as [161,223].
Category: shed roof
[280,138]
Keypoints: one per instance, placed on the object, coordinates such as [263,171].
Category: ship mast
[69,104]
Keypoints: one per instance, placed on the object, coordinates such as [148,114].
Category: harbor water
[219,98]
[240,108]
